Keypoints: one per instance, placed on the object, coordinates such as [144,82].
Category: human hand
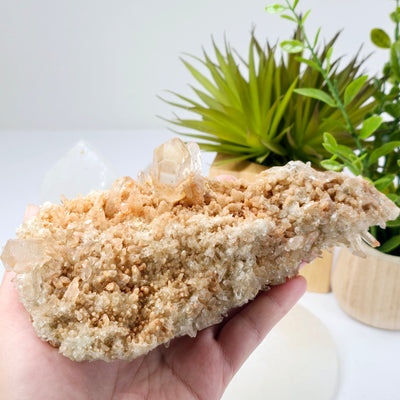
[190,368]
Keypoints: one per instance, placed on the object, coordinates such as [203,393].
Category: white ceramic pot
[368,289]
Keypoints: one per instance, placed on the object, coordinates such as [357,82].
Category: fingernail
[31,211]
[302,265]
[225,178]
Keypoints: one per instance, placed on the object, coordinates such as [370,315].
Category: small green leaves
[395,60]
[344,154]
[317,94]
[329,139]
[275,9]
[292,46]
[330,143]
[370,125]
[380,38]
[353,88]
[332,165]
[395,15]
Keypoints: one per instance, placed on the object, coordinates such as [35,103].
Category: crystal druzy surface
[117,273]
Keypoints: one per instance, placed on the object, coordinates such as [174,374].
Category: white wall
[89,64]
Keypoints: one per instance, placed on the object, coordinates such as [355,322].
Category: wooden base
[316,273]
[238,169]
[368,289]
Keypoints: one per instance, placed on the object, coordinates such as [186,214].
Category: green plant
[376,154]
[249,109]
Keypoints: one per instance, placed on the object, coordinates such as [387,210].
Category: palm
[190,368]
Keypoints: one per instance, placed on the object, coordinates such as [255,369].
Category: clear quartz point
[22,255]
[173,162]
[79,171]
[369,239]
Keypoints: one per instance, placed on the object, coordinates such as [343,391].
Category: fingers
[30,212]
[245,331]
[225,178]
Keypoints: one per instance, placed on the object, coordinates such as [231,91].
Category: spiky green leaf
[390,245]
[383,151]
[393,224]
[228,111]
[280,110]
[310,63]
[206,83]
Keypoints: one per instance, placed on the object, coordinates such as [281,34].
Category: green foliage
[380,38]
[375,153]
[255,108]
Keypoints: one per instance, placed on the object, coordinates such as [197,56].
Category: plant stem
[330,84]
[325,75]
[396,34]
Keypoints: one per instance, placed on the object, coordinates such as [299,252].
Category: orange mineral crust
[117,273]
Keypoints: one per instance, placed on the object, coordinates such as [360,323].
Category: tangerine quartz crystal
[119,272]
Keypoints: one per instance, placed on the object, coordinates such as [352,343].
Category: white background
[369,366]
[93,68]
[97,64]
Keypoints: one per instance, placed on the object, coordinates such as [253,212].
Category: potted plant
[254,112]
[367,289]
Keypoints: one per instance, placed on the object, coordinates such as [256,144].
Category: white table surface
[369,357]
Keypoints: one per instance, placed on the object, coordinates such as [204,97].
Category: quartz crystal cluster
[119,272]
[174,162]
